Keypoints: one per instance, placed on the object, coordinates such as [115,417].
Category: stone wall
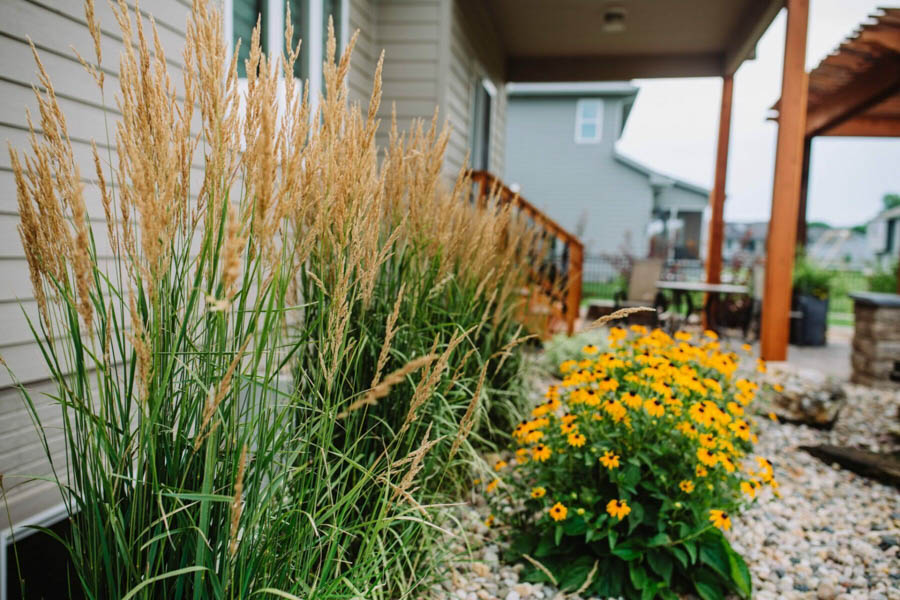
[876,340]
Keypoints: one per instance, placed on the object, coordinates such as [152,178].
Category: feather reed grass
[228,427]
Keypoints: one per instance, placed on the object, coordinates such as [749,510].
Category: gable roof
[657,178]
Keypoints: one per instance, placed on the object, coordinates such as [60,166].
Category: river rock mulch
[832,535]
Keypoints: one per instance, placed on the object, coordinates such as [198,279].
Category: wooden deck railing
[556,283]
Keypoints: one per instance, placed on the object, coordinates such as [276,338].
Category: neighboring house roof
[657,178]
[885,215]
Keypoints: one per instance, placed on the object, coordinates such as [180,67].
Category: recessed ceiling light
[614,19]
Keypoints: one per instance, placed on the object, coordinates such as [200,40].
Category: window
[241,17]
[480,134]
[588,121]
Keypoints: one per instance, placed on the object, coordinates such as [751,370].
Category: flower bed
[627,475]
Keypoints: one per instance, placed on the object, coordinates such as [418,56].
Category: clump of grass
[280,368]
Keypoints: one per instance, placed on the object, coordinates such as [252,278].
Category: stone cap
[878,299]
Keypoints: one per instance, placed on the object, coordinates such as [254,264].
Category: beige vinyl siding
[365,53]
[54,26]
[409,32]
[475,51]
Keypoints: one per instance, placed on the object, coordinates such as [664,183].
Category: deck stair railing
[554,297]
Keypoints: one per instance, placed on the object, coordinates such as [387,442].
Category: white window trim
[274,32]
[581,120]
[20,530]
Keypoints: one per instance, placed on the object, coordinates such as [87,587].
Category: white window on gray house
[588,121]
[480,134]
[310,22]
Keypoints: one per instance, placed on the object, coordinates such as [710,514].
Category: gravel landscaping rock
[832,535]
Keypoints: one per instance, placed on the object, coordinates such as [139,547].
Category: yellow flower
[576,440]
[558,511]
[579,511]
[500,464]
[748,489]
[610,460]
[492,486]
[522,455]
[632,400]
[706,457]
[654,407]
[707,440]
[618,509]
[590,349]
[773,417]
[533,436]
[778,387]
[686,485]
[568,427]
[720,519]
[541,452]
[489,522]
[567,366]
[735,409]
[760,365]
[683,336]
[711,334]
[747,348]
[615,409]
[538,492]
[700,471]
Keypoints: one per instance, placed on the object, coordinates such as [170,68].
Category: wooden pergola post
[717,196]
[782,236]
[804,194]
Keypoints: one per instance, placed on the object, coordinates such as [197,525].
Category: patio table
[681,295]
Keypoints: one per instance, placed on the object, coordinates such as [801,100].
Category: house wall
[595,197]
[435,53]
[474,52]
[54,26]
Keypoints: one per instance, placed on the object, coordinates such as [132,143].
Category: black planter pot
[810,327]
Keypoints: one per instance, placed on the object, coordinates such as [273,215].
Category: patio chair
[642,287]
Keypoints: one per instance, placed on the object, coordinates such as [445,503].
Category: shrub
[268,357]
[626,475]
[809,278]
[884,279]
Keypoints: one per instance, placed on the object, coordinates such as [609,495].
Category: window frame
[482,85]
[313,43]
[597,120]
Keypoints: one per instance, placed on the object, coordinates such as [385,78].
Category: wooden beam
[786,188]
[717,196]
[878,83]
[612,67]
[886,37]
[751,27]
[864,126]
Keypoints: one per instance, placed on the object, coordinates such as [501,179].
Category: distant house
[561,152]
[833,247]
[883,235]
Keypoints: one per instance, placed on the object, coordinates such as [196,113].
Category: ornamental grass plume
[219,357]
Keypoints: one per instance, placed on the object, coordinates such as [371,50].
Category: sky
[674,123]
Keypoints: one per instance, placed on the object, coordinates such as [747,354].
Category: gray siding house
[561,152]
[438,53]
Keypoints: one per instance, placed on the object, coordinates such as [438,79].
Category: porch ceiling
[566,40]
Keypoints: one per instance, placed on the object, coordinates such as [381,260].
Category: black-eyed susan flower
[500,465]
[489,522]
[706,457]
[683,336]
[700,471]
[522,455]
[686,485]
[492,486]
[709,333]
[632,400]
[568,428]
[748,488]
[747,348]
[615,409]
[541,452]
[567,366]
[576,440]
[609,460]
[720,519]
[558,512]
[538,492]
[773,417]
[707,440]
[618,509]
[654,407]
[590,349]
